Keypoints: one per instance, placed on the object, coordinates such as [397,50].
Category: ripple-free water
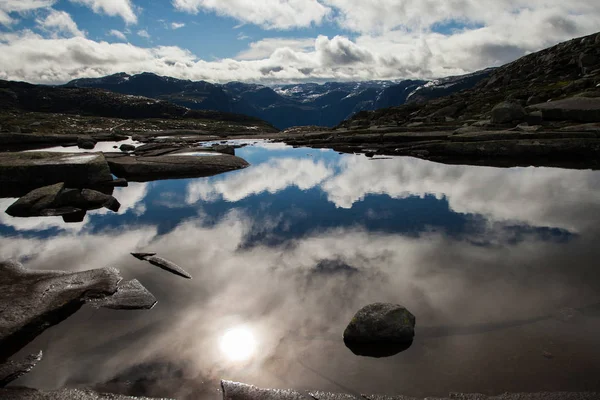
[283,253]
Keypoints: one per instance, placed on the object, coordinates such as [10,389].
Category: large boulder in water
[507,112]
[381,323]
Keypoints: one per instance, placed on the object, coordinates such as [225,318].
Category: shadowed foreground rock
[12,370]
[172,166]
[64,394]
[160,262]
[240,391]
[33,301]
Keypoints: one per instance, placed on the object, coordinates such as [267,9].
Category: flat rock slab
[33,301]
[144,169]
[581,109]
[130,295]
[240,391]
[12,370]
[65,394]
[22,172]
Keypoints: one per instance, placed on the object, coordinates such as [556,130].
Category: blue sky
[279,41]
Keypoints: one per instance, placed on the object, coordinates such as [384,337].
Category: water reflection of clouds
[537,196]
[281,294]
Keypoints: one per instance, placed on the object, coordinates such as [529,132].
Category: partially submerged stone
[13,370]
[170,166]
[56,200]
[380,330]
[162,263]
[33,301]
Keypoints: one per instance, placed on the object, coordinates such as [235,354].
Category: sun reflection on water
[238,344]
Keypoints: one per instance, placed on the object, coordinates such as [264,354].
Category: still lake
[499,266]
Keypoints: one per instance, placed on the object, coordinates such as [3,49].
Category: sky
[279,41]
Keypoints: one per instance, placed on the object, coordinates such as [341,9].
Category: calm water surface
[284,253]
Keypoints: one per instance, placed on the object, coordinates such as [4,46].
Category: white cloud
[266,47]
[143,33]
[177,25]
[59,23]
[117,34]
[114,8]
[270,14]
[20,6]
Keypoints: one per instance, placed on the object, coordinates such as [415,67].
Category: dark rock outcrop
[23,172]
[127,147]
[381,323]
[13,370]
[162,263]
[144,169]
[33,301]
[86,143]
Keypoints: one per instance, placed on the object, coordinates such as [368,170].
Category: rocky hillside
[19,100]
[568,69]
[283,106]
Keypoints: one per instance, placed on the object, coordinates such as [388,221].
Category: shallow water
[284,252]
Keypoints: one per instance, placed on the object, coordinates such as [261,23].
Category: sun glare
[238,344]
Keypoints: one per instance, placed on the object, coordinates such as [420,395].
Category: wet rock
[23,172]
[86,143]
[130,295]
[13,370]
[127,147]
[507,112]
[580,109]
[34,202]
[56,200]
[33,301]
[162,263]
[144,169]
[62,394]
[380,324]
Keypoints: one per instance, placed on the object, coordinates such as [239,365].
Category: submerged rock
[33,301]
[162,263]
[13,370]
[380,330]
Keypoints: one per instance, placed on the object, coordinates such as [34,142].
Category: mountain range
[283,106]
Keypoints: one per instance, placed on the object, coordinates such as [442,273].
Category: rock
[13,370]
[75,217]
[86,143]
[534,118]
[534,100]
[32,141]
[587,61]
[62,394]
[162,263]
[143,169]
[548,355]
[33,301]
[219,148]
[507,112]
[55,200]
[23,172]
[380,325]
[414,124]
[482,123]
[131,295]
[127,147]
[240,391]
[34,202]
[580,109]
